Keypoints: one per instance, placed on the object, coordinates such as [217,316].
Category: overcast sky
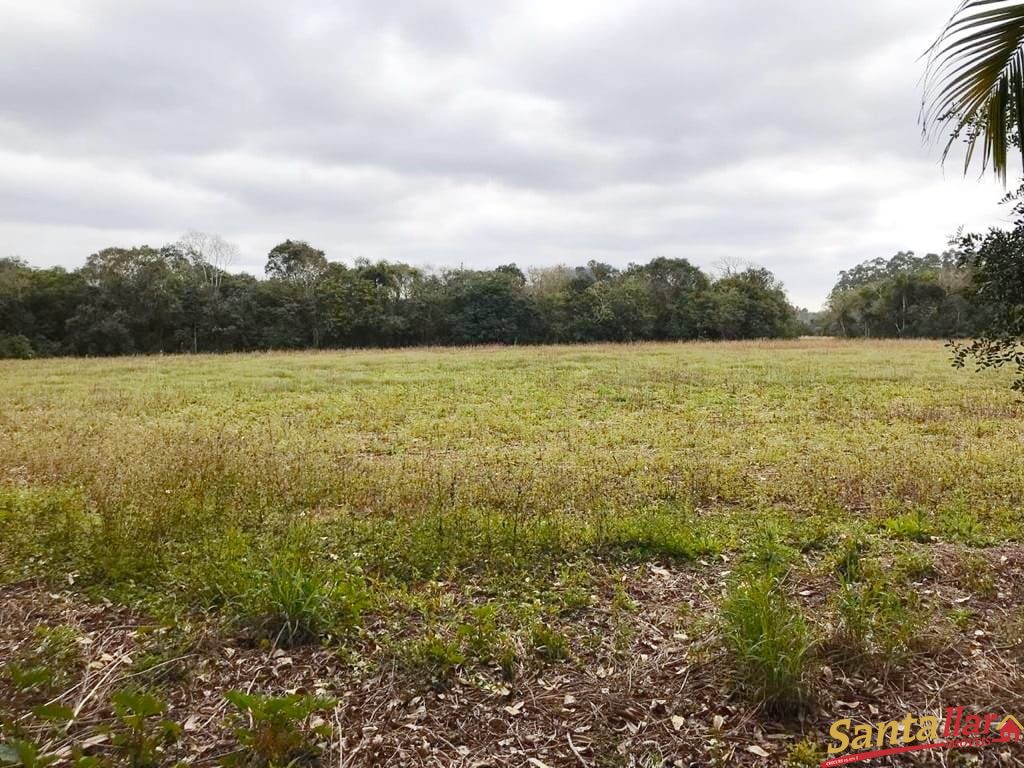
[478,132]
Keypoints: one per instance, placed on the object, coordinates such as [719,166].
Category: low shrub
[276,731]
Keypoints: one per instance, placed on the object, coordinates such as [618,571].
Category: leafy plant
[963,525]
[911,525]
[805,754]
[974,83]
[141,733]
[28,679]
[47,663]
[275,731]
[21,752]
[432,656]
[480,635]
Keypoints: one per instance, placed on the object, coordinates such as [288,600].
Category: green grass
[475,506]
[770,642]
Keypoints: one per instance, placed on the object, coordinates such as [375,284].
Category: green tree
[904,296]
[300,266]
[131,302]
[997,260]
[678,297]
[489,307]
[750,304]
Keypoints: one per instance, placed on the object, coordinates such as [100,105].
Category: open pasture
[596,555]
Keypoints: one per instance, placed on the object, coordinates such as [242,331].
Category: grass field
[596,555]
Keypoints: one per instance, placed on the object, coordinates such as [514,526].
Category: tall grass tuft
[769,640]
[296,603]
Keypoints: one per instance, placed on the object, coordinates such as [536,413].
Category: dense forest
[180,298]
[933,296]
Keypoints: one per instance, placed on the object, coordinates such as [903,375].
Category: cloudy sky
[461,132]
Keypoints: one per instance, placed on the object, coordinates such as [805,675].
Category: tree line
[183,298]
[908,296]
[973,296]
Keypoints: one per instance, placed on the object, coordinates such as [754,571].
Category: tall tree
[299,264]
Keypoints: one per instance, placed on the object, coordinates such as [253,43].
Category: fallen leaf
[678,722]
[756,750]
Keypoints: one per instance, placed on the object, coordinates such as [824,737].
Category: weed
[975,574]
[657,534]
[815,532]
[848,559]
[768,552]
[274,732]
[806,753]
[959,523]
[480,635]
[140,732]
[961,618]
[622,602]
[911,526]
[548,643]
[296,604]
[222,573]
[769,640]
[48,663]
[913,565]
[878,622]
[574,594]
[431,657]
[29,679]
[23,753]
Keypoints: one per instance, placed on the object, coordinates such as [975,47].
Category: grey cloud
[446,132]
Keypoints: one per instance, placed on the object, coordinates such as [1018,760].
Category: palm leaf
[974,83]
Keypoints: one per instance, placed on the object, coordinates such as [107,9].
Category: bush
[16,347]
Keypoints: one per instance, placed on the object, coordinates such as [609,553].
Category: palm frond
[974,82]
